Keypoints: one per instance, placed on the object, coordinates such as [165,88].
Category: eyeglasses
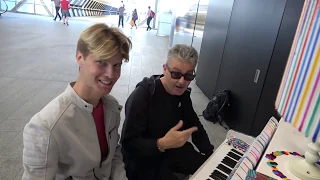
[178,75]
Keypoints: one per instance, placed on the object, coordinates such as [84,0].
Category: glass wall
[47,7]
[164,18]
[10,4]
[200,23]
[189,18]
[40,7]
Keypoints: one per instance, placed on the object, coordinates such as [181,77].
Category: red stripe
[300,58]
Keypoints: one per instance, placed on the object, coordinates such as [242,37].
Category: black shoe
[54,19]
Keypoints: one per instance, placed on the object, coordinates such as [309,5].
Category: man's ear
[164,68]
[79,58]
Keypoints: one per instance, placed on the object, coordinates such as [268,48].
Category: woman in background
[134,18]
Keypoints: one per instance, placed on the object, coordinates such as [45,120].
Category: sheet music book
[252,156]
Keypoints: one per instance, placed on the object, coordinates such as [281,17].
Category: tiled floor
[37,60]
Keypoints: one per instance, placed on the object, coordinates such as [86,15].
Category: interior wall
[244,49]
[277,65]
[213,41]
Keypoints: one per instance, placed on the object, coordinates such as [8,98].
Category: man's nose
[109,71]
[181,80]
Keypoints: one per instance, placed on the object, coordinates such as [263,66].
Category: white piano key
[213,162]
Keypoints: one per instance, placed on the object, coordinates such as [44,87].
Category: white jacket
[61,141]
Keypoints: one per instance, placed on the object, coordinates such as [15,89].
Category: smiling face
[99,76]
[176,66]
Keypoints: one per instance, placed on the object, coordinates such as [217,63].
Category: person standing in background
[149,14]
[121,10]
[134,18]
[57,5]
[65,5]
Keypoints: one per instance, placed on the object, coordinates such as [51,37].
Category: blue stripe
[314,137]
[311,47]
[250,161]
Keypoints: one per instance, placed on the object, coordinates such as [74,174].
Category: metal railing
[6,7]
[47,8]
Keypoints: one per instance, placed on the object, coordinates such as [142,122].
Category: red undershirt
[98,116]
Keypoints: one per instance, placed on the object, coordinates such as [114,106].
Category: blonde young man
[76,135]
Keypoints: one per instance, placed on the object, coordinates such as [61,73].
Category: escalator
[3,7]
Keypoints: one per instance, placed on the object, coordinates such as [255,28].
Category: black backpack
[217,107]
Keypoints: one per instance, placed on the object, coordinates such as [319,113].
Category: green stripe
[315,111]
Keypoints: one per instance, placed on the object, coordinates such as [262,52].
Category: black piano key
[233,155]
[215,177]
[230,160]
[237,152]
[220,174]
[228,163]
[224,168]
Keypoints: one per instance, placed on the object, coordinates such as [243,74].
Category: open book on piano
[238,155]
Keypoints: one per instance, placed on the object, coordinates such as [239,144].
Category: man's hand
[175,138]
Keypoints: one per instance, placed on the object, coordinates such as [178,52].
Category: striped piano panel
[298,99]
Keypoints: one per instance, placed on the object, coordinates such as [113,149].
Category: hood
[149,83]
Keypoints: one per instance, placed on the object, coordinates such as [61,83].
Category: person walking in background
[57,5]
[65,5]
[134,18]
[150,16]
[121,10]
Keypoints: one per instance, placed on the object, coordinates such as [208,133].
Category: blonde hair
[104,42]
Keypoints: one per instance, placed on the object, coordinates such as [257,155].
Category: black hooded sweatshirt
[150,113]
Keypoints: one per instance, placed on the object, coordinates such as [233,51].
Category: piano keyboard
[220,164]
[236,157]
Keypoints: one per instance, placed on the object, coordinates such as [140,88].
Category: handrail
[6,8]
[76,7]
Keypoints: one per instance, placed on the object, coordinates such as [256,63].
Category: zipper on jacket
[108,138]
[110,134]
[94,174]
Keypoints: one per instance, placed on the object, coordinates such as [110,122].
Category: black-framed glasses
[178,75]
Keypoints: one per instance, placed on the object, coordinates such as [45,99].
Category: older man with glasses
[160,120]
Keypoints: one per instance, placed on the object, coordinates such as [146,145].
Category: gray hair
[184,53]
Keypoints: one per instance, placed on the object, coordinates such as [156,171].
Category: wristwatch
[160,149]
